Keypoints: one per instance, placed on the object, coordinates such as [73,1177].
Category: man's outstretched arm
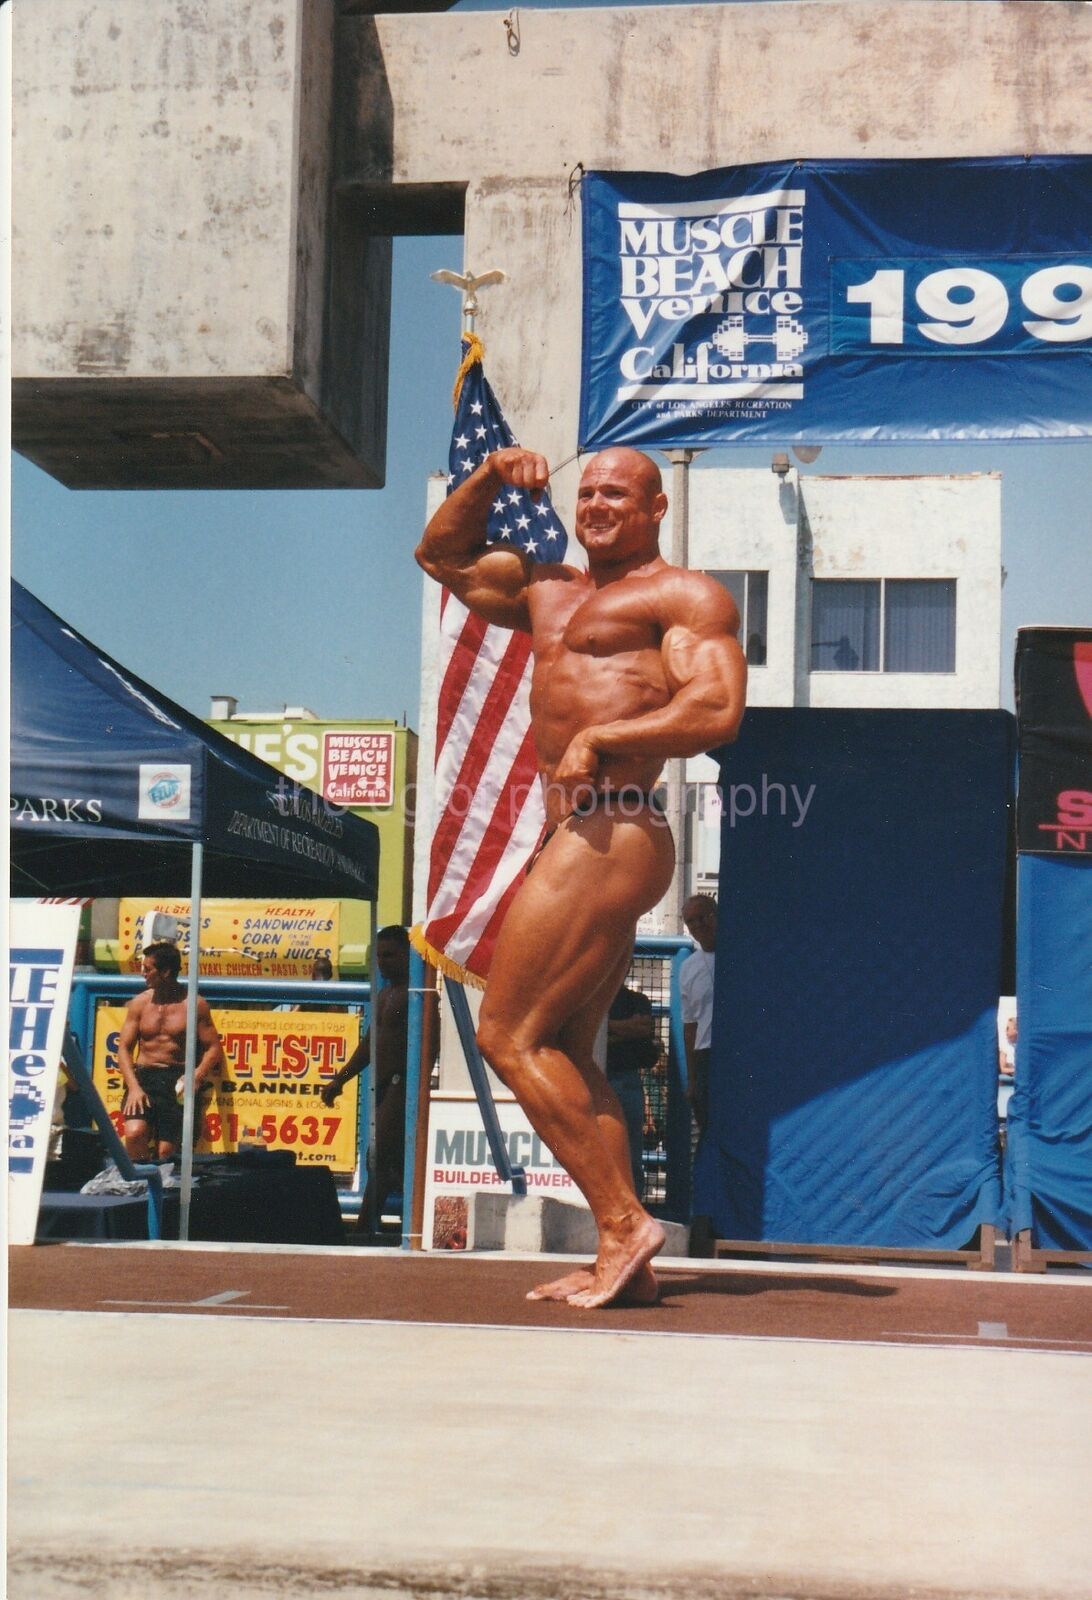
[360,1058]
[490,579]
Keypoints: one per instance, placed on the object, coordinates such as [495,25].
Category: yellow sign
[276,1065]
[241,938]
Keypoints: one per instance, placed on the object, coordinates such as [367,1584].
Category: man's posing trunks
[155,1027]
[635,661]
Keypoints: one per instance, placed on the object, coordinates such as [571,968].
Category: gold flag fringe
[442,963]
[475,350]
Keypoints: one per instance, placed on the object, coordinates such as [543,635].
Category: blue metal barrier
[88,989]
[678,1140]
[414,1031]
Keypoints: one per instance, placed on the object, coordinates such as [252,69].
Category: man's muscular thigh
[573,922]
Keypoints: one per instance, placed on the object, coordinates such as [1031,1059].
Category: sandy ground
[163,1454]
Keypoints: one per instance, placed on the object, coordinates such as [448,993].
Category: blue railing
[89,989]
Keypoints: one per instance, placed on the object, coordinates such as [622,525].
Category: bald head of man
[620,504]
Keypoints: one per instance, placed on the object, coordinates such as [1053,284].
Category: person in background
[696,986]
[392,951]
[1006,1054]
[152,1057]
[631,1047]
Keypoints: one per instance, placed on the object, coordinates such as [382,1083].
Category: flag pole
[676,769]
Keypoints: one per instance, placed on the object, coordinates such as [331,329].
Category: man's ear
[659,507]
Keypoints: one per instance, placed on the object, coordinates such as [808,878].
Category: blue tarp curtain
[859,957]
[1049,1154]
[1048,1169]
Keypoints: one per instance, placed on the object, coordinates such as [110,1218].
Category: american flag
[488,809]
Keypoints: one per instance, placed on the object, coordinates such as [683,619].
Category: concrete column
[192,308]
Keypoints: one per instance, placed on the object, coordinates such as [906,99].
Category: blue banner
[826,300]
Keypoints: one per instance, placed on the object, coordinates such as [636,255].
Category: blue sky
[313,598]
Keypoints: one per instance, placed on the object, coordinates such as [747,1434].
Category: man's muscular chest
[162,1021]
[579,619]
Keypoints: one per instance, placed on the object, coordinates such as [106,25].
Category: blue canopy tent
[113,785]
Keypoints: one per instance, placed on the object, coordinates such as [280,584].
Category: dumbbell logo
[788,339]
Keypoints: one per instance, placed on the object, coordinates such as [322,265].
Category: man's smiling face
[619,507]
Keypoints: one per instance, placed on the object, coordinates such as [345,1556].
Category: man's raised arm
[490,579]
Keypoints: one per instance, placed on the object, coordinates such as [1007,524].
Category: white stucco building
[853,591]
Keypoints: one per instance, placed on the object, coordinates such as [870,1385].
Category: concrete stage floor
[194,1420]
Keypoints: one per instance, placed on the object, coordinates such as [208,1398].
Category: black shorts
[163,1114]
[699,1089]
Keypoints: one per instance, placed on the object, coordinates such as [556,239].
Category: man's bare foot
[643,1289]
[622,1254]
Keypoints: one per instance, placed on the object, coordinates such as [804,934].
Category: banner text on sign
[41,953]
[798,301]
[242,938]
[459,1165]
[358,768]
[276,1065]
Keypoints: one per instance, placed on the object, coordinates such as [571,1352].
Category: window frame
[747,573]
[881,643]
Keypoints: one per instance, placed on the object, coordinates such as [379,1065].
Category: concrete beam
[685,89]
[202,193]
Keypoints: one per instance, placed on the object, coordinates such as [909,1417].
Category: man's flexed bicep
[704,663]
[490,579]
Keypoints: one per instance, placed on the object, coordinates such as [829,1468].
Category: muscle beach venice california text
[838,300]
[740,262]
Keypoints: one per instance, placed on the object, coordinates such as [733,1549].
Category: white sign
[459,1166]
[41,955]
[164,792]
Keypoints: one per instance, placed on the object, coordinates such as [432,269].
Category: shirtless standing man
[155,1026]
[392,951]
[635,661]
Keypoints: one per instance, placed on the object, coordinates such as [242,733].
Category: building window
[907,624]
[750,592]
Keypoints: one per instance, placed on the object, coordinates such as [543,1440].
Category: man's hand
[490,579]
[330,1091]
[579,766]
[135,1104]
[523,469]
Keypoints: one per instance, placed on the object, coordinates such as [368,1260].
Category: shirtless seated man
[635,661]
[155,1028]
